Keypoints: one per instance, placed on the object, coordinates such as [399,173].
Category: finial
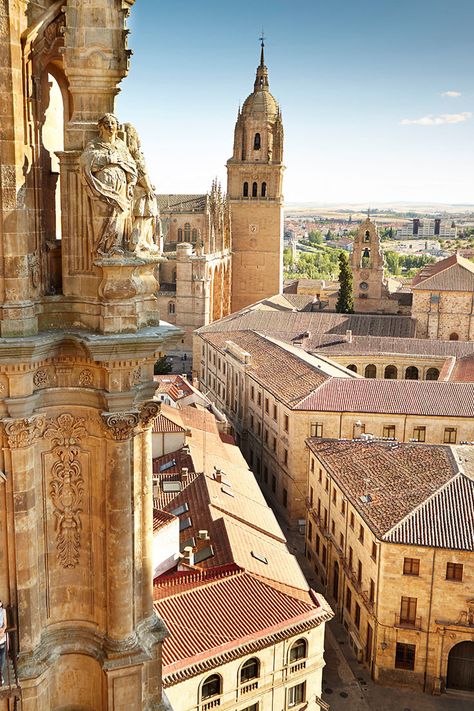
[368,213]
[262,45]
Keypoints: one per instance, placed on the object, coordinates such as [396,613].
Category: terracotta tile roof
[182,203]
[289,376]
[445,520]
[378,345]
[398,477]
[451,274]
[463,370]
[215,631]
[413,397]
[163,424]
[161,519]
[283,324]
[198,418]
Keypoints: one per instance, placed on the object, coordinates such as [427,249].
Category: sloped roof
[182,202]
[216,631]
[399,477]
[445,520]
[454,273]
[413,397]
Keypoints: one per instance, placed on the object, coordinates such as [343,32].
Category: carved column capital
[148,411]
[23,432]
[121,425]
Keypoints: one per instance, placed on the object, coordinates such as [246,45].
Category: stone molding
[123,425]
[24,432]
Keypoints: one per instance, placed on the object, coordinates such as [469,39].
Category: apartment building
[389,531]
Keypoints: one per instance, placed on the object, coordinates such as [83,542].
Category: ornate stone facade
[79,335]
[254,189]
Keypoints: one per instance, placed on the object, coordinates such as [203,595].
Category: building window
[454,571]
[259,399]
[408,610]
[257,142]
[252,393]
[358,429]
[296,694]
[323,556]
[299,650]
[187,232]
[265,474]
[351,520]
[411,566]
[319,508]
[326,484]
[316,429]
[286,423]
[341,541]
[374,550]
[359,572]
[389,431]
[351,553]
[194,234]
[254,190]
[311,496]
[432,374]
[352,367]
[370,371]
[310,531]
[180,234]
[333,528]
[274,483]
[405,656]
[316,545]
[390,373]
[419,434]
[275,413]
[411,373]
[245,190]
[453,337]
[450,435]
[285,456]
[334,496]
[348,600]
[361,534]
[211,687]
[249,670]
[171,307]
[266,436]
[312,464]
[372,591]
[285,498]
[357,615]
[320,476]
[264,190]
[267,405]
[343,507]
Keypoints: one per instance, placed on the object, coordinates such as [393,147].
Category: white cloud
[437,120]
[451,94]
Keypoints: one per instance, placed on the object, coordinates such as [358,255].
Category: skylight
[180,510]
[170,487]
[204,554]
[185,523]
[167,465]
[259,557]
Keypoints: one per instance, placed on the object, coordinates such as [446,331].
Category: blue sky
[361,84]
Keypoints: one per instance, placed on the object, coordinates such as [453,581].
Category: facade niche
[257,142]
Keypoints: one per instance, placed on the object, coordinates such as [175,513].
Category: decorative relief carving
[25,431]
[148,411]
[122,425]
[135,377]
[34,269]
[67,485]
[40,378]
[86,378]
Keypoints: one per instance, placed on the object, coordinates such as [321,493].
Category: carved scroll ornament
[67,485]
[122,425]
[24,432]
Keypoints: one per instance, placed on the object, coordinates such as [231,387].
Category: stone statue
[145,213]
[109,174]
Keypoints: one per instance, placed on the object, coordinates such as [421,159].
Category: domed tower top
[259,130]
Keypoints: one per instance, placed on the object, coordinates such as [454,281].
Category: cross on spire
[262,45]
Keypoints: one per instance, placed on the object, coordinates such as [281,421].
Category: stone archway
[460,674]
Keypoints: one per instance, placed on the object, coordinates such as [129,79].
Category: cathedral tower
[254,189]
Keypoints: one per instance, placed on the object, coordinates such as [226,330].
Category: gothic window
[256,142]
[254,189]
[264,189]
[180,234]
[194,234]
[246,190]
[171,307]
[187,232]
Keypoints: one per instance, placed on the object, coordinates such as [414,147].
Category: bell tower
[254,190]
[367,263]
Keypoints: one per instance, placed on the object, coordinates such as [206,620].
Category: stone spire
[261,80]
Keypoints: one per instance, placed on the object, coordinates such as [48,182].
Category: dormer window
[257,142]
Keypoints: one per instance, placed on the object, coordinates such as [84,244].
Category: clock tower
[254,189]
[369,284]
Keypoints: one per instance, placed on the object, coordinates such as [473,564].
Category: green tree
[392,260]
[345,300]
[315,237]
[163,366]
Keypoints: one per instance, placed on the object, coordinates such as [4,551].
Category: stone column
[147,524]
[22,434]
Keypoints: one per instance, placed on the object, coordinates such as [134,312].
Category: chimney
[156,488]
[184,476]
[349,335]
[203,535]
[188,555]
[218,476]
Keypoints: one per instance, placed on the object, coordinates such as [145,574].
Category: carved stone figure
[145,213]
[109,174]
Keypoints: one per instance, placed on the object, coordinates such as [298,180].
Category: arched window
[254,189]
[390,373]
[180,234]
[212,686]
[264,189]
[454,337]
[367,236]
[187,232]
[365,258]
[171,307]
[352,367]
[411,373]
[245,191]
[299,650]
[256,142]
[194,234]
[249,670]
[432,374]
[370,371]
